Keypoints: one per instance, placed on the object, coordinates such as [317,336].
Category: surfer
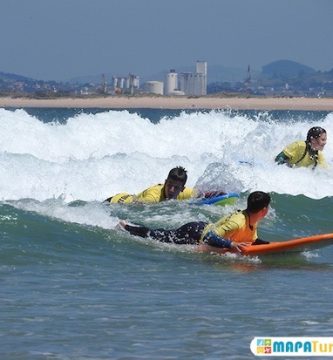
[173,188]
[305,153]
[232,232]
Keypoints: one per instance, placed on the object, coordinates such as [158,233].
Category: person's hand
[210,194]
[238,246]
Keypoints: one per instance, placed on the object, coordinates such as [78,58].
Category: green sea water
[73,286]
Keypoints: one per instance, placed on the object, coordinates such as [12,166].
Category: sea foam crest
[92,156]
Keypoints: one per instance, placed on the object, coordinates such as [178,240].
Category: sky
[63,39]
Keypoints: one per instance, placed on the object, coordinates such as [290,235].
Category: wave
[91,156]
[289,217]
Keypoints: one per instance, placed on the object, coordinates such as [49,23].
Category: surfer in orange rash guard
[233,232]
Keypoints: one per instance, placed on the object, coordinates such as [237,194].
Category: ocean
[73,286]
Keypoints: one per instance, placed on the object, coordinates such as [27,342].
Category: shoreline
[174,103]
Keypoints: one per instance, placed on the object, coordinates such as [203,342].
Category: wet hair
[257,201]
[314,133]
[178,174]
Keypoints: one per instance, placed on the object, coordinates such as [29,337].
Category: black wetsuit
[189,233]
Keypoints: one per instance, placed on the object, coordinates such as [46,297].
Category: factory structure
[125,84]
[183,83]
[187,83]
[154,87]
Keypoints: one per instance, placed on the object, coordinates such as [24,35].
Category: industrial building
[154,87]
[125,84]
[192,84]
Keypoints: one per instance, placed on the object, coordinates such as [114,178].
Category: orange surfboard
[295,245]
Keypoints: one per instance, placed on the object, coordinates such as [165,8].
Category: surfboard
[278,247]
[221,200]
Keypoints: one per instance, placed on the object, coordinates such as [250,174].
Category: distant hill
[278,77]
[13,77]
[18,84]
[94,79]
[229,74]
[286,69]
[217,73]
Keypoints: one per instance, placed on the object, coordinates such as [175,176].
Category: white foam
[93,156]
[92,213]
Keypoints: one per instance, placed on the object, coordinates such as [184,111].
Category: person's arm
[209,194]
[121,198]
[282,158]
[212,239]
[292,154]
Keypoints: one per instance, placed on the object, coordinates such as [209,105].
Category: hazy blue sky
[61,39]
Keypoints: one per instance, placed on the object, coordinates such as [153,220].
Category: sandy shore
[124,102]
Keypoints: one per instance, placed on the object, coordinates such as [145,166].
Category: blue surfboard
[221,200]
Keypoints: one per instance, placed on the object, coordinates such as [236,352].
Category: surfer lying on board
[173,188]
[305,153]
[233,232]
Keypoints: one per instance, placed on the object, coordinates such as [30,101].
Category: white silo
[154,87]
[201,67]
[171,82]
[201,81]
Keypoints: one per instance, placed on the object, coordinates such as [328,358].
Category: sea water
[73,286]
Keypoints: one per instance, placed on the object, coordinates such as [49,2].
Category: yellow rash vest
[153,194]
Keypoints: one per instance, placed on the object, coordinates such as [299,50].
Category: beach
[180,102]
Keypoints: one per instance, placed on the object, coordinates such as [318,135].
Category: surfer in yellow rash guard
[231,232]
[305,153]
[173,188]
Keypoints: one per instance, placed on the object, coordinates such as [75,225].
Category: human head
[316,138]
[258,201]
[175,182]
